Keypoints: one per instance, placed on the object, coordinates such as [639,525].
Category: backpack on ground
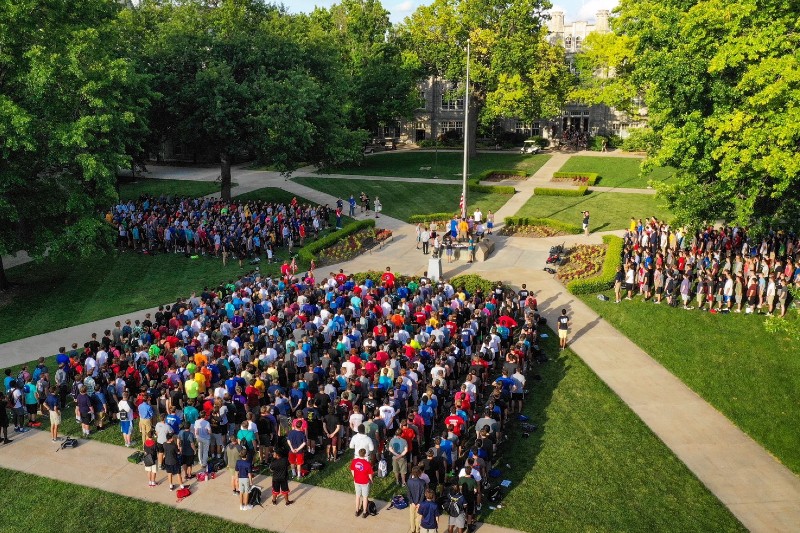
[136,457]
[383,468]
[68,442]
[183,493]
[254,496]
[372,508]
[215,464]
[399,502]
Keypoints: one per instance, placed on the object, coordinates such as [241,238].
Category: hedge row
[431,217]
[470,282]
[604,280]
[591,177]
[555,224]
[545,191]
[310,251]
[474,183]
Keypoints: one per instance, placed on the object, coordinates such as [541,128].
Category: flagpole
[466,143]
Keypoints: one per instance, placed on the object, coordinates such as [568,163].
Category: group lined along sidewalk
[105,466]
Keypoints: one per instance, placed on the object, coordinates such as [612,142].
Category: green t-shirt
[471,486]
[247,438]
[191,388]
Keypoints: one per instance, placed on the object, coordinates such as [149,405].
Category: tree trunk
[474,110]
[225,175]
[4,284]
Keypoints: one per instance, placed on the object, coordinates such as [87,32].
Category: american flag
[461,204]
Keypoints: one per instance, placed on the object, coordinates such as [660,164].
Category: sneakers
[358,513]
[247,507]
[172,487]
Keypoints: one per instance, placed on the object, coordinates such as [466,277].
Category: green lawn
[592,465]
[616,171]
[66,294]
[608,210]
[43,504]
[751,376]
[403,199]
[445,165]
[132,190]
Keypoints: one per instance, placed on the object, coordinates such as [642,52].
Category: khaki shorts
[562,334]
[153,469]
[55,418]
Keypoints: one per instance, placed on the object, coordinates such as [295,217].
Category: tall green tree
[69,103]
[514,70]
[241,77]
[382,80]
[722,84]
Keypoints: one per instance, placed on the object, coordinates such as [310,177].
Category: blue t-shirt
[429,512]
[243,468]
[447,449]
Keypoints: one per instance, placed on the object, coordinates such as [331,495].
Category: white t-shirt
[125,406]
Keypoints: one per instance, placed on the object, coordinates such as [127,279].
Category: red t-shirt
[361,469]
[456,421]
[388,279]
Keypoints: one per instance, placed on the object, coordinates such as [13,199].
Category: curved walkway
[763,494]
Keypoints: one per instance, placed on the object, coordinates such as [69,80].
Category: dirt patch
[504,177]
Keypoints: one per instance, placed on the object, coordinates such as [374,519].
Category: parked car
[529,147]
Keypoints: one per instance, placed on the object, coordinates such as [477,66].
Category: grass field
[616,171]
[41,504]
[445,165]
[591,466]
[403,199]
[132,190]
[751,376]
[608,211]
[66,294]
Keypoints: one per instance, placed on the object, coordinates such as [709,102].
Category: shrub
[591,177]
[474,183]
[472,282]
[431,217]
[541,141]
[555,224]
[504,172]
[605,280]
[641,140]
[545,191]
[310,250]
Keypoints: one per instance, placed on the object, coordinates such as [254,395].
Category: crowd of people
[211,227]
[460,232]
[278,376]
[716,269]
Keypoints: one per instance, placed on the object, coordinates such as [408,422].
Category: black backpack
[453,507]
[255,496]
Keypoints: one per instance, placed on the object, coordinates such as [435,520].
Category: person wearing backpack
[457,511]
[125,418]
[416,495]
[150,458]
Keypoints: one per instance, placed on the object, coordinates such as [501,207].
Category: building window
[522,128]
[536,130]
[450,103]
[423,103]
[568,42]
[451,125]
[577,43]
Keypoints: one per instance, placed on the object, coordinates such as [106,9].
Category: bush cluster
[310,251]
[546,191]
[591,177]
[555,224]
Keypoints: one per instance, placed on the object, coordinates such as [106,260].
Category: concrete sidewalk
[105,466]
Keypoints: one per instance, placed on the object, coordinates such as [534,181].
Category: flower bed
[576,178]
[501,176]
[353,245]
[584,261]
[532,231]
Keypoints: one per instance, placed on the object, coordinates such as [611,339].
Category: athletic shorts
[125,427]
[32,408]
[517,396]
[244,485]
[334,441]
[187,460]
[86,419]
[173,469]
[362,489]
[298,459]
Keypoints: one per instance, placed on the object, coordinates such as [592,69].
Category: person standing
[244,471]
[352,203]
[188,444]
[362,479]
[85,410]
[297,441]
[378,207]
[563,328]
[125,419]
[202,432]
[53,406]
[429,513]
[150,458]
[172,461]
[425,237]
[399,450]
[416,496]
[146,414]
[279,467]
[586,223]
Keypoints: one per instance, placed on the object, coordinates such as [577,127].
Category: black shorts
[659,290]
[280,485]
[517,397]
[159,448]
[265,439]
[173,469]
[32,408]
[86,419]
[187,460]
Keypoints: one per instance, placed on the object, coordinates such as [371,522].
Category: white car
[529,147]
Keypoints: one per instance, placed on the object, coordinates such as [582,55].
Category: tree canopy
[514,70]
[71,102]
[722,83]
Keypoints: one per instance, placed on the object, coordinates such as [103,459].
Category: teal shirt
[191,414]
